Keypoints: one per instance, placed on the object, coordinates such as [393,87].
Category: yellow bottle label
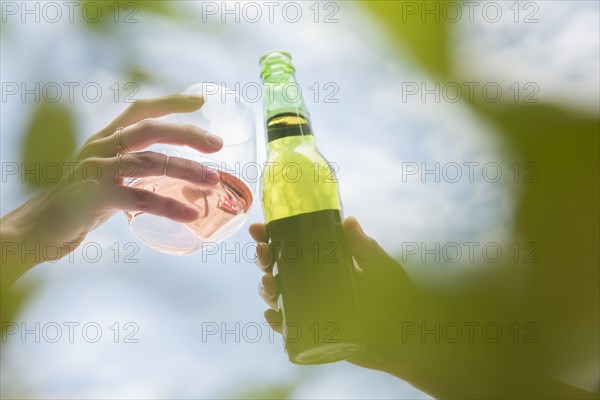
[297,179]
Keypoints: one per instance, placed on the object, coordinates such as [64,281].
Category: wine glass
[223,208]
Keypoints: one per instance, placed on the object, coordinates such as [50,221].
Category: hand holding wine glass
[222,208]
[65,212]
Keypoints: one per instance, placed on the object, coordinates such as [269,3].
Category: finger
[267,290]
[263,257]
[258,232]
[149,163]
[134,199]
[365,250]
[151,131]
[154,108]
[274,319]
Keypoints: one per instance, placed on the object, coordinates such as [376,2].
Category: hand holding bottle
[392,307]
[386,293]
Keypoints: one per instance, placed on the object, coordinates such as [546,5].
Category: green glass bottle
[313,267]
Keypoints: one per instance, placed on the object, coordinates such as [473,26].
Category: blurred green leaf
[104,15]
[12,301]
[156,7]
[138,74]
[279,391]
[563,148]
[424,35]
[557,210]
[49,138]
[562,144]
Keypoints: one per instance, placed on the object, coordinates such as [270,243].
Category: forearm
[18,253]
[459,358]
[513,383]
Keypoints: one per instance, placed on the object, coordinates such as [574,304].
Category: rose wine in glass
[223,207]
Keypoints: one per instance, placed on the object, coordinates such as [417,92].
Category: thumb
[366,251]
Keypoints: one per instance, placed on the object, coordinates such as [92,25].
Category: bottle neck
[284,108]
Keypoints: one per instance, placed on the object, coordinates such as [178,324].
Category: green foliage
[104,15]
[49,138]
[12,301]
[559,212]
[138,74]
[561,209]
[280,391]
[425,40]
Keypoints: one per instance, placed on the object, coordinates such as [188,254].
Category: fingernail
[211,175]
[210,169]
[190,212]
[195,99]
[214,140]
[268,286]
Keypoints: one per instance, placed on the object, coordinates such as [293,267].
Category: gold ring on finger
[121,148]
[119,170]
[166,165]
